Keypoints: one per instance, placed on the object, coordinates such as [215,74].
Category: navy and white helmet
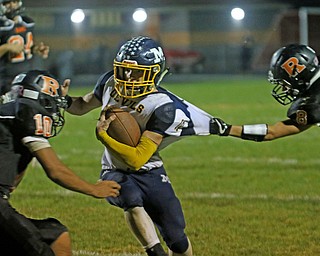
[10,13]
[43,89]
[139,67]
[292,70]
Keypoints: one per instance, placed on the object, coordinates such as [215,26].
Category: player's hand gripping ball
[124,128]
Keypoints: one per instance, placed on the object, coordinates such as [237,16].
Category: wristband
[255,132]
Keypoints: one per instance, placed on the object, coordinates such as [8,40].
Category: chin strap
[163,74]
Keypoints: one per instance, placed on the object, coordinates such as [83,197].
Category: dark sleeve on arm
[162,118]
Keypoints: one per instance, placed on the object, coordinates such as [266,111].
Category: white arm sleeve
[35,143]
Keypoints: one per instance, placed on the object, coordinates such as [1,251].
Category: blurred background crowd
[203,37]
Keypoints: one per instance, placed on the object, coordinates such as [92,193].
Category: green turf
[239,197]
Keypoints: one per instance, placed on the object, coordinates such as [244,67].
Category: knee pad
[180,246]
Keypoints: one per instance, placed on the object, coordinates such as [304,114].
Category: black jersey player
[295,72]
[29,115]
[147,196]
[17,46]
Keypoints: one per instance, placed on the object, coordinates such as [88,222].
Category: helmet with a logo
[139,67]
[292,71]
[44,90]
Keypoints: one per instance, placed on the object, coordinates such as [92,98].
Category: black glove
[218,126]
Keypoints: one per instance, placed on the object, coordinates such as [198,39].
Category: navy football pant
[153,191]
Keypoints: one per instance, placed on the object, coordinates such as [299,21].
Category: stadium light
[78,16]
[237,13]
[139,15]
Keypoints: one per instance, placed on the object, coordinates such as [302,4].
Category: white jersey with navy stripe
[161,112]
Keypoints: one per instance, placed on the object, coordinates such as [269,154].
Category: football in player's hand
[124,128]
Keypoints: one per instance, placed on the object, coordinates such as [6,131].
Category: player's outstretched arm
[264,132]
[63,176]
[79,105]
[83,104]
[259,132]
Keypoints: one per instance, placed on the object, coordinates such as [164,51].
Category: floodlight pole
[303,26]
[303,22]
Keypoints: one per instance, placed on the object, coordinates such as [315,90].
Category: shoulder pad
[7,110]
[166,112]
[305,111]
[27,19]
[104,77]
[162,118]
[26,109]
[101,82]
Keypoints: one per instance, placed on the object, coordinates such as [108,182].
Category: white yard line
[252,196]
[211,195]
[273,160]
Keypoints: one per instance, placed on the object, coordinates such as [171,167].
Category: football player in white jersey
[146,196]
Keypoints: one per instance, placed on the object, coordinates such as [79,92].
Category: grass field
[239,197]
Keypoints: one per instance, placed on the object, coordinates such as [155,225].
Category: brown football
[124,128]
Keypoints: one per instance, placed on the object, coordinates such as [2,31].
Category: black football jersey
[22,33]
[305,110]
[20,119]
